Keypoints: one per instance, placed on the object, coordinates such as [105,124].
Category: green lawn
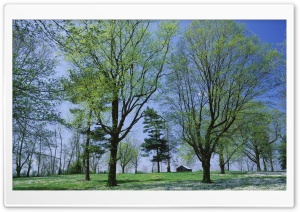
[157,181]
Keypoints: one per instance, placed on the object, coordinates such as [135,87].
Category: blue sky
[270,31]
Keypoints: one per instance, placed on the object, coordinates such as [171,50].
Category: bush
[76,168]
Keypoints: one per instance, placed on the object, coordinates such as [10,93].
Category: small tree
[136,158]
[154,125]
[126,153]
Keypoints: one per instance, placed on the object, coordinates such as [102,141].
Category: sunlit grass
[157,181]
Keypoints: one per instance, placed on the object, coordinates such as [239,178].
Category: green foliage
[154,125]
[218,68]
[282,153]
[127,152]
[35,91]
[34,88]
[76,168]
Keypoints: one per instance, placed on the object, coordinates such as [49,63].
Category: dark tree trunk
[222,163]
[123,169]
[59,169]
[18,169]
[54,158]
[39,158]
[135,171]
[169,165]
[257,158]
[112,181]
[29,168]
[272,166]
[206,170]
[158,166]
[87,149]
[87,156]
[228,166]
[258,166]
[265,165]
[222,168]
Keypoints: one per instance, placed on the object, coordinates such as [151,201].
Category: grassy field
[157,181]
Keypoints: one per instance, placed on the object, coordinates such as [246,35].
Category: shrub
[76,168]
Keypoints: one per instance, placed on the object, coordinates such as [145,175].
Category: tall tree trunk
[18,169]
[265,165]
[29,169]
[135,167]
[271,161]
[70,159]
[123,169]
[54,158]
[59,169]
[257,159]
[258,166]
[19,164]
[272,166]
[29,165]
[87,157]
[39,158]
[87,148]
[221,161]
[158,167]
[228,166]
[169,165]
[112,181]
[206,169]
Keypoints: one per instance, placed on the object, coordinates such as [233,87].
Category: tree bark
[123,169]
[29,166]
[39,158]
[87,156]
[135,170]
[112,181]
[258,166]
[87,148]
[265,165]
[272,166]
[18,169]
[222,163]
[206,170]
[169,165]
[228,166]
[28,170]
[158,167]
[59,169]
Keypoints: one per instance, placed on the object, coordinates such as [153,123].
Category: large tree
[127,58]
[34,90]
[217,70]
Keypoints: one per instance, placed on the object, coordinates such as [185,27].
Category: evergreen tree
[155,143]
